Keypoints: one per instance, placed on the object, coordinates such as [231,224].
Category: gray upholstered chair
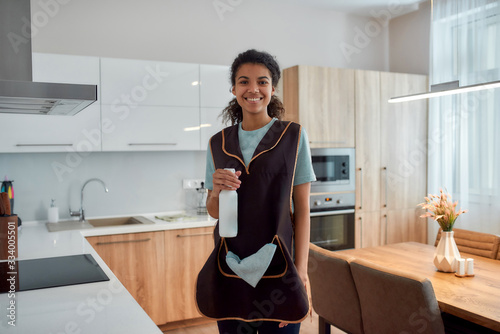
[393,301]
[333,292]
[477,243]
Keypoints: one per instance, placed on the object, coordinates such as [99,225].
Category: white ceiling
[361,7]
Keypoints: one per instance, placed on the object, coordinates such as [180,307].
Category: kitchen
[150,182]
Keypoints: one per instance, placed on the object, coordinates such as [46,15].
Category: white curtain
[464,130]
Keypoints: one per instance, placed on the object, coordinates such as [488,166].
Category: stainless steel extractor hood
[18,93]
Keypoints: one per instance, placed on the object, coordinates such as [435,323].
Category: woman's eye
[263,82]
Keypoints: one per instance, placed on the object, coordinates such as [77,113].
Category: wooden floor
[309,326]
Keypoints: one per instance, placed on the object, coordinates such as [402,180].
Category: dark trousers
[261,327]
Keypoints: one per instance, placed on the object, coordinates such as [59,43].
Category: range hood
[18,93]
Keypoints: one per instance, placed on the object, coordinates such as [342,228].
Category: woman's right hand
[225,180]
[222,180]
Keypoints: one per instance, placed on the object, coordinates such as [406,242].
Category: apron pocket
[252,268]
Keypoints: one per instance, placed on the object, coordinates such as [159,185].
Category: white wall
[138,182]
[410,41]
[195,31]
[172,30]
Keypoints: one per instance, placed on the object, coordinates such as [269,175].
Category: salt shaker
[470,267]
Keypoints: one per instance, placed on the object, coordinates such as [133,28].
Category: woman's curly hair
[233,112]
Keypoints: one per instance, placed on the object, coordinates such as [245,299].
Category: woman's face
[253,88]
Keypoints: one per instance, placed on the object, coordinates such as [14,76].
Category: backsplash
[138,182]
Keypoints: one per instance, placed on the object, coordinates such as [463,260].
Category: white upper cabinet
[215,86]
[211,123]
[150,105]
[142,106]
[152,83]
[150,128]
[65,68]
[215,94]
[45,133]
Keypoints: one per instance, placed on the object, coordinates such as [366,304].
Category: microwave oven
[334,169]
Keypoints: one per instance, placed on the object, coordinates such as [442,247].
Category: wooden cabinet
[391,158]
[136,259]
[48,133]
[187,251]
[370,228]
[322,100]
[159,269]
[404,156]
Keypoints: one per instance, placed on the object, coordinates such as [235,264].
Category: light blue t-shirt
[249,140]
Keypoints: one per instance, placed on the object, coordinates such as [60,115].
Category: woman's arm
[302,223]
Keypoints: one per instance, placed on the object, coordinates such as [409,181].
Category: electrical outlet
[191,183]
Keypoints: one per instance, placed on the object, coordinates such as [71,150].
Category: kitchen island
[101,307]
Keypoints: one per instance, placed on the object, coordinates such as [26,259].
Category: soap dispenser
[53,212]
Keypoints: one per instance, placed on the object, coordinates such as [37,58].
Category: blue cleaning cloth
[252,268]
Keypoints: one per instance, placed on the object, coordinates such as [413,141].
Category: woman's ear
[233,91]
[273,91]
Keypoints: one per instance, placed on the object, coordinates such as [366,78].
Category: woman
[273,174]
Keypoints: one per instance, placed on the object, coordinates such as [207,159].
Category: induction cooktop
[49,272]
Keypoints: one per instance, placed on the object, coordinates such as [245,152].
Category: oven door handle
[331,213]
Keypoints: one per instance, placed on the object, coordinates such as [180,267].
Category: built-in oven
[332,198]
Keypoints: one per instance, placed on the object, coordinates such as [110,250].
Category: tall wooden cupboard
[349,108]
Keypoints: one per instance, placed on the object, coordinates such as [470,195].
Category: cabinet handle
[147,144]
[385,216]
[385,190]
[360,232]
[122,241]
[21,145]
[193,235]
[360,187]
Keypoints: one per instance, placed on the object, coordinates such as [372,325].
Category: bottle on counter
[228,212]
[53,212]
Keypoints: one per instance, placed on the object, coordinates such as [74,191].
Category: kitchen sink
[119,221]
[99,222]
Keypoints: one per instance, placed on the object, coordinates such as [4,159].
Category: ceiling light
[448,88]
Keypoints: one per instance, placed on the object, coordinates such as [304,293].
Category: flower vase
[447,255]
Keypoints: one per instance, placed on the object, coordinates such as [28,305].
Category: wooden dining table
[476,299]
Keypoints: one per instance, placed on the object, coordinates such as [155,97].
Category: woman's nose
[253,89]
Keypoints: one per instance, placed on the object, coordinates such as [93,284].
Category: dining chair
[393,301]
[333,292]
[472,242]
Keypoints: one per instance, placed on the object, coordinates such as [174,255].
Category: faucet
[81,212]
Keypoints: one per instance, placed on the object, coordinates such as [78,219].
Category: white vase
[447,255]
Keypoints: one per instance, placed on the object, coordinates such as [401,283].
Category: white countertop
[94,308]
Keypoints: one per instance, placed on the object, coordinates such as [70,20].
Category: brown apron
[264,216]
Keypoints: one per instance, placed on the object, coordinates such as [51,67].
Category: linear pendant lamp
[447,88]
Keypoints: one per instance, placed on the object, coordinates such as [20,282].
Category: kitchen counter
[102,307]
